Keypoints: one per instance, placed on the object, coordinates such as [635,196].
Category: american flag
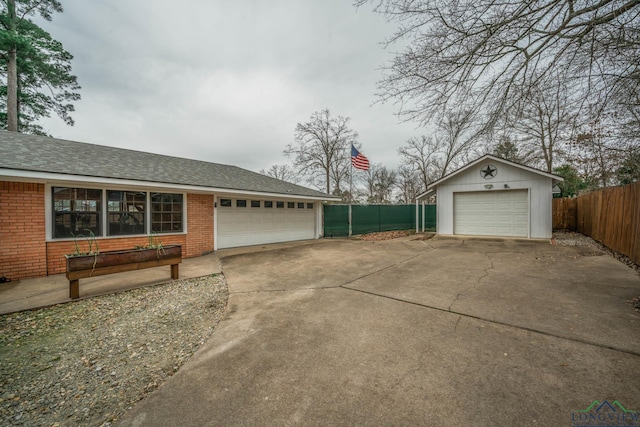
[358,160]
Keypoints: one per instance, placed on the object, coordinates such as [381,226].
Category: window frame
[50,211]
[99,212]
[164,213]
[128,218]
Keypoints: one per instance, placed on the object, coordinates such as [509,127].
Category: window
[76,210]
[291,205]
[255,203]
[166,213]
[309,205]
[125,211]
[268,204]
[241,203]
[279,204]
[300,205]
[225,202]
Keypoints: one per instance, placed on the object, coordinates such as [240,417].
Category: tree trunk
[328,181]
[12,74]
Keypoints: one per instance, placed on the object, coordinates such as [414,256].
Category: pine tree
[36,67]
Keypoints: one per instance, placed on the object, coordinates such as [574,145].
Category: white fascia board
[67,179]
[425,194]
[555,178]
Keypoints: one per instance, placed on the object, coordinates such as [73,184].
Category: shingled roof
[57,156]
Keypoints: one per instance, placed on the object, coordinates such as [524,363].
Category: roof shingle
[42,154]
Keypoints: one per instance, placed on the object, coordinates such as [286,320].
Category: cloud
[224,81]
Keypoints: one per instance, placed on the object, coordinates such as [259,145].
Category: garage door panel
[492,213]
[238,226]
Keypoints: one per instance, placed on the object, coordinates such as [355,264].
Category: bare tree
[408,183]
[340,172]
[369,178]
[545,122]
[321,147]
[511,149]
[597,151]
[281,172]
[379,181]
[456,136]
[476,52]
[419,155]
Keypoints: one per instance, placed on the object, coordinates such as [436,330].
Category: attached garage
[491,213]
[494,197]
[244,222]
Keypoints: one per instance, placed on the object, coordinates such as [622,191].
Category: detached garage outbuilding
[494,197]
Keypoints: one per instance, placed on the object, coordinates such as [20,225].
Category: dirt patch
[384,235]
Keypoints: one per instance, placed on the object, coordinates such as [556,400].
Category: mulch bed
[87,362]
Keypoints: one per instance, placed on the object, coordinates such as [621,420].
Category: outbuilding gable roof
[32,153]
[555,179]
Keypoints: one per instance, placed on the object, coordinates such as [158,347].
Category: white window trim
[48,208]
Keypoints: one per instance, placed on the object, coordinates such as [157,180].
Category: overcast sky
[224,81]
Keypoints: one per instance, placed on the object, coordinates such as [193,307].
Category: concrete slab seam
[497,322]
[384,269]
[260,291]
[329,287]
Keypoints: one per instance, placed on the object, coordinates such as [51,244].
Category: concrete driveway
[401,332]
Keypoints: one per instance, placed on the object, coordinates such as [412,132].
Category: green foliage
[573,182]
[91,243]
[45,82]
[153,244]
[629,171]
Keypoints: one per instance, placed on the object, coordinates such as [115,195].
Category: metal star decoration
[488,172]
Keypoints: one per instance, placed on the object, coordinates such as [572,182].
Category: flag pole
[350,188]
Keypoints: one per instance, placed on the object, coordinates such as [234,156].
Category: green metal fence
[374,218]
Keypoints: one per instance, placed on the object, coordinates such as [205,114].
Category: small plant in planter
[153,244]
[95,263]
[91,243]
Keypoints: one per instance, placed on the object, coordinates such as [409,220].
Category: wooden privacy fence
[610,216]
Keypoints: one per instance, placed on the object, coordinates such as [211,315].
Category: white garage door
[492,213]
[244,222]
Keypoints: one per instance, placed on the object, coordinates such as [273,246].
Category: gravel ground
[567,238]
[87,362]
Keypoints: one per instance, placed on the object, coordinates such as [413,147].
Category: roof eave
[554,178]
[55,178]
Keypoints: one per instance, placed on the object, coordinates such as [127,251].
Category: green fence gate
[374,218]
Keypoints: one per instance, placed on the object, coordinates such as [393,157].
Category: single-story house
[52,190]
[494,197]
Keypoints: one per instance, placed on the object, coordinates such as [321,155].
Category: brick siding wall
[199,224]
[22,230]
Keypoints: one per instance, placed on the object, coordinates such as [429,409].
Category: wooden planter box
[80,267]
